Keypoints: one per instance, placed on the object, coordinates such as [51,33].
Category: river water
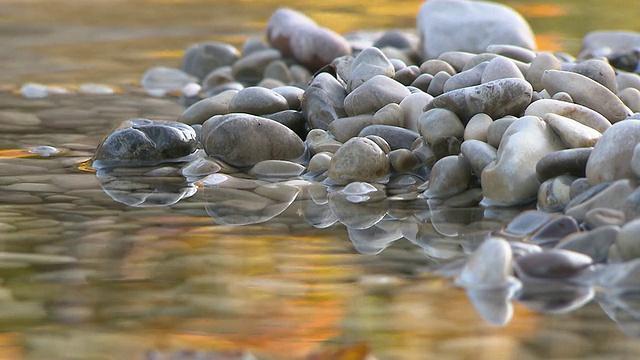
[88,273]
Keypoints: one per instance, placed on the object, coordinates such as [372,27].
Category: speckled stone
[359,159]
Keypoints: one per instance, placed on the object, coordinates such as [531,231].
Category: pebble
[586,92]
[359,159]
[202,110]
[611,156]
[576,112]
[496,130]
[438,122]
[391,114]
[292,94]
[489,267]
[496,98]
[513,52]
[599,71]
[408,75]
[479,154]
[239,139]
[554,193]
[470,77]
[250,67]
[478,127]
[160,80]
[321,141]
[367,64]
[511,179]
[594,243]
[450,176]
[500,68]
[323,101]
[142,141]
[572,133]
[436,85]
[552,263]
[477,24]
[598,217]
[412,107]
[300,38]
[396,137]
[605,195]
[403,160]
[627,244]
[373,95]
[434,66]
[345,128]
[202,58]
[631,98]
[257,100]
[292,119]
[568,161]
[279,71]
[276,169]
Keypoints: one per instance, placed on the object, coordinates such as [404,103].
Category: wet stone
[594,243]
[627,244]
[276,169]
[258,101]
[403,160]
[321,141]
[450,176]
[161,80]
[359,159]
[240,140]
[568,161]
[552,263]
[142,141]
[604,195]
[489,267]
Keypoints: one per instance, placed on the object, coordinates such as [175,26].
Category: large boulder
[463,25]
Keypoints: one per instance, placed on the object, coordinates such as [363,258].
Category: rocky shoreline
[468,114]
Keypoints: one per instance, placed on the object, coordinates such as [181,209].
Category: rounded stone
[476,24]
[243,140]
[319,140]
[512,52]
[250,68]
[367,64]
[457,59]
[145,142]
[479,154]
[202,58]
[256,100]
[599,71]
[500,68]
[570,162]
[436,85]
[300,38]
[280,169]
[319,162]
[586,92]
[445,146]
[478,127]
[489,266]
[437,122]
[552,263]
[554,193]
[403,160]
[373,95]
[359,159]
[576,112]
[594,243]
[278,70]
[292,94]
[631,98]
[396,137]
[470,77]
[628,241]
[391,114]
[611,156]
[406,76]
[434,66]
[497,129]
[598,217]
[496,98]
[572,133]
[635,161]
[323,101]
[543,61]
[450,176]
[412,107]
[202,110]
[292,119]
[344,129]
[511,179]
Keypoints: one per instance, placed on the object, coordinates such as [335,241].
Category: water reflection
[373,221]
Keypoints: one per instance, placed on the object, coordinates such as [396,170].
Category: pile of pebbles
[479,119]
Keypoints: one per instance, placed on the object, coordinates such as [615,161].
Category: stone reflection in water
[144,187]
[255,202]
